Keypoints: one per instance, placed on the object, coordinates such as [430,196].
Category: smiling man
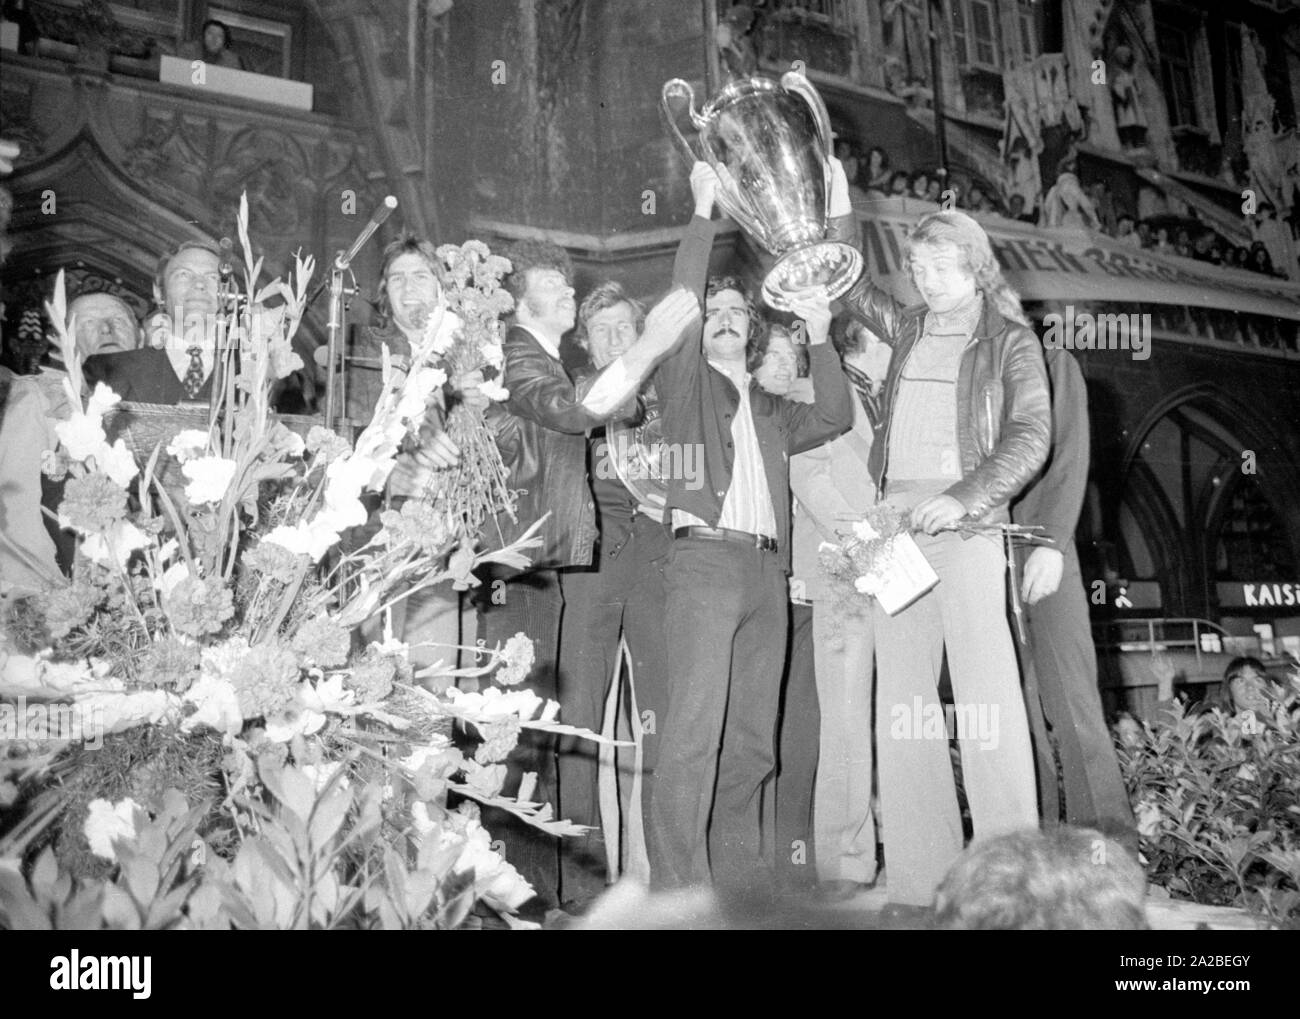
[410,290]
[619,594]
[726,619]
[774,362]
[177,363]
[547,461]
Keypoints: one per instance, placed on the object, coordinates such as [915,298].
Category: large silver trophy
[769,142]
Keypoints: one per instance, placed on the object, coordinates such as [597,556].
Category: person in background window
[214,46]
[898,184]
[876,173]
[1259,260]
[1125,231]
[921,185]
[847,153]
[1248,686]
[1017,210]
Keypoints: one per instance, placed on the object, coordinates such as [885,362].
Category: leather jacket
[1004,420]
[545,450]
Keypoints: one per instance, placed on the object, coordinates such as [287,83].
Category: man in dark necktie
[176,364]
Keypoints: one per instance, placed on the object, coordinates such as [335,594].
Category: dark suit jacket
[1054,498]
[698,403]
[143,376]
[547,458]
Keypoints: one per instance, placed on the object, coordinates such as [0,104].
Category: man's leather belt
[759,541]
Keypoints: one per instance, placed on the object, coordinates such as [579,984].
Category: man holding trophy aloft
[965,426]
[726,575]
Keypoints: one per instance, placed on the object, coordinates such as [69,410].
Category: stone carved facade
[113,172]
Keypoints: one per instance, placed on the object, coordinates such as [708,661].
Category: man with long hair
[966,425]
[725,579]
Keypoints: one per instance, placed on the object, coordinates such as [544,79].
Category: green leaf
[45,873]
[291,787]
[119,909]
[330,812]
[19,910]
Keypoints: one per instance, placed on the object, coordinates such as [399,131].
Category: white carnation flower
[209,477]
[303,539]
[188,444]
[108,821]
[217,704]
[494,391]
[868,584]
[862,529]
[519,655]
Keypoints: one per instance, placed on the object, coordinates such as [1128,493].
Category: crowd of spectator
[873,177]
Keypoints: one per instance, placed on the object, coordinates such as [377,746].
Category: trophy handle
[678,87]
[793,81]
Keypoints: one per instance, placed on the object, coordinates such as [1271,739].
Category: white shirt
[748,503]
[177,349]
[180,359]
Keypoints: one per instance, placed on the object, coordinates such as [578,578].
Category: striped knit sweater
[923,435]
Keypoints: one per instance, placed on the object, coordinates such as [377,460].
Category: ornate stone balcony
[115,170]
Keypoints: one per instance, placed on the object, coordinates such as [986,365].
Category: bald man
[105,324]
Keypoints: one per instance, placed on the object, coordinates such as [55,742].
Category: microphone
[380,214]
[226,259]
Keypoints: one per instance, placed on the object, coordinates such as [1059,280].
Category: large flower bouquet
[195,733]
[857,562]
[865,561]
[477,487]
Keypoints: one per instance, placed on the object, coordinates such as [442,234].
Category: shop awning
[1058,265]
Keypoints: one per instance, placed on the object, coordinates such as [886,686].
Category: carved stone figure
[735,47]
[906,40]
[1066,205]
[1129,117]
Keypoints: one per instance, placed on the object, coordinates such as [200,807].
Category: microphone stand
[336,403]
[227,329]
